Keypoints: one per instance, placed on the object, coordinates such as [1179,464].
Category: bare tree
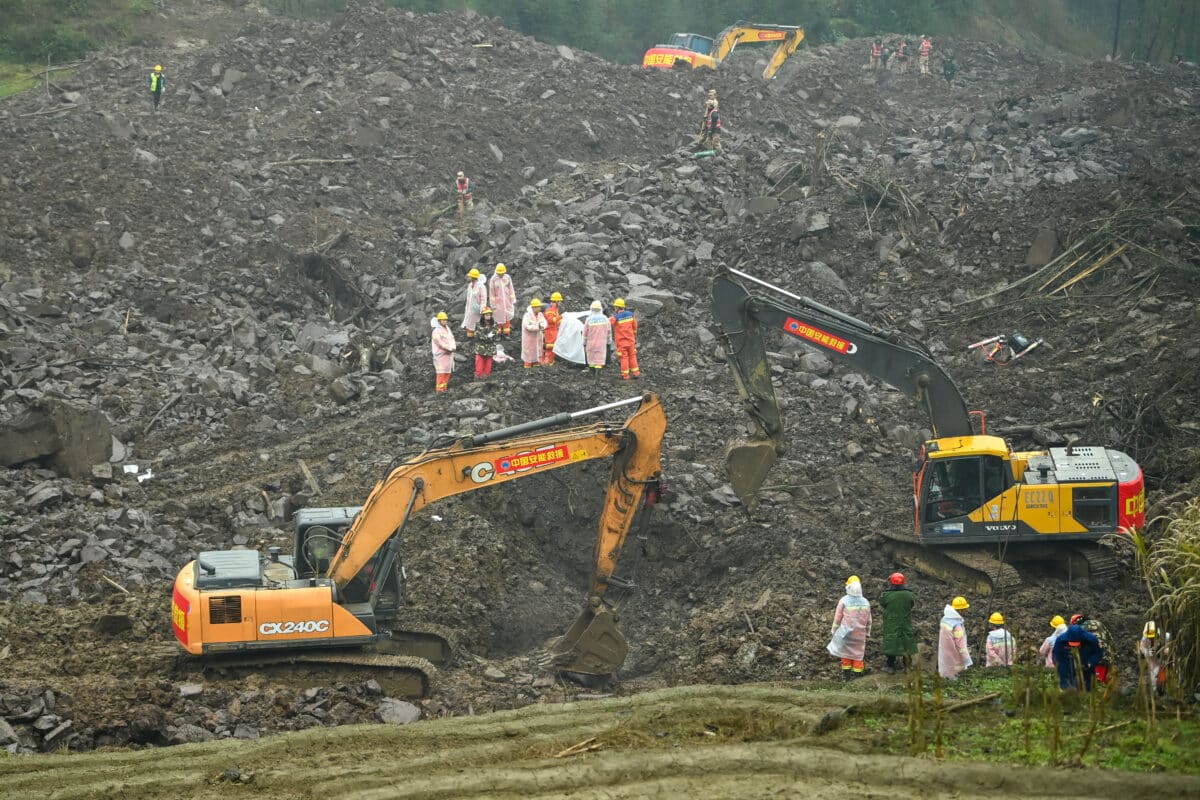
[1117,30]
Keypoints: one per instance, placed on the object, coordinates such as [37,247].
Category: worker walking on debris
[876,55]
[532,326]
[485,344]
[158,82]
[503,299]
[1047,649]
[1076,650]
[597,333]
[949,68]
[464,190]
[477,298]
[899,639]
[901,57]
[954,655]
[923,53]
[553,320]
[1000,646]
[710,129]
[443,351]
[624,326]
[851,629]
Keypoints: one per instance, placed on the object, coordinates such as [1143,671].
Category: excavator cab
[693,42]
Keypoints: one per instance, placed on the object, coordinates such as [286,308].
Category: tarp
[569,344]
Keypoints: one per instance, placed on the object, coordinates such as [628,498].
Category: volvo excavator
[337,599]
[979,504]
[693,50]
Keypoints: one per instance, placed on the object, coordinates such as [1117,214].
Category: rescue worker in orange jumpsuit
[465,191]
[550,335]
[624,328]
[443,346]
[923,52]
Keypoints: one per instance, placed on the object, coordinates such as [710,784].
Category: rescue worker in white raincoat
[477,298]
[851,629]
[1000,647]
[597,334]
[443,346]
[953,653]
[503,299]
[1047,649]
[532,326]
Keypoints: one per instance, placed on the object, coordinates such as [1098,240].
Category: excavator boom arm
[788,36]
[509,454]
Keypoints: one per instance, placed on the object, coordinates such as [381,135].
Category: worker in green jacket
[899,641]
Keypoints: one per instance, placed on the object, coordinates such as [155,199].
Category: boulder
[69,438]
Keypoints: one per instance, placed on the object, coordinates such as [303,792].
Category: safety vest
[926,47]
[155,81]
[876,50]
[712,119]
[464,186]
[900,50]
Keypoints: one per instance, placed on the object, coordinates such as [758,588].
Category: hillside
[197,274]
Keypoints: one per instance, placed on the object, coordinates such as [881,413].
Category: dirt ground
[168,268]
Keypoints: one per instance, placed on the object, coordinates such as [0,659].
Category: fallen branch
[972,702]
[1025,430]
[1092,268]
[61,67]
[310,478]
[294,161]
[582,747]
[172,400]
[45,111]
[114,583]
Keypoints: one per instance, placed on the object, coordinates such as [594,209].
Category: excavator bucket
[593,645]
[747,464]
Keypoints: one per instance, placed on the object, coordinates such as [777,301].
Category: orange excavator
[980,505]
[693,50]
[337,599]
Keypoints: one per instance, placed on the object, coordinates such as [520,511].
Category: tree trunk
[1117,28]
[1175,31]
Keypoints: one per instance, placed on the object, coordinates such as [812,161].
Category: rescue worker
[1047,649]
[949,68]
[465,191]
[503,299]
[710,129]
[532,325]
[876,55]
[1076,644]
[1097,629]
[624,326]
[1150,649]
[443,351]
[553,319]
[158,82]
[899,640]
[597,334]
[923,52]
[1000,647]
[851,629]
[954,655]
[485,344]
[901,57]
[477,298]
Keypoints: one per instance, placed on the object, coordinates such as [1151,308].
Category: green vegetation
[14,78]
[41,31]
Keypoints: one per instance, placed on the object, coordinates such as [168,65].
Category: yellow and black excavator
[969,488]
[693,50]
[343,586]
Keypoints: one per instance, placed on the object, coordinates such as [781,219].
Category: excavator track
[403,676]
[977,569]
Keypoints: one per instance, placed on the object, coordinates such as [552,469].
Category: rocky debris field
[200,305]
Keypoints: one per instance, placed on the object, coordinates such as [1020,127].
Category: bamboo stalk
[1092,268]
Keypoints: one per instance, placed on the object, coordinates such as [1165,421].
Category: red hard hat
[1077,618]
[897,578]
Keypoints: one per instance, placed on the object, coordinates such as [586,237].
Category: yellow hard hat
[996,618]
[1057,620]
[1150,630]
[501,269]
[619,302]
[485,310]
[555,297]
[158,67]
[473,274]
[441,315]
[535,303]
[959,603]
[852,579]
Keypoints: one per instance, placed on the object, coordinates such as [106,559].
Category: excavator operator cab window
[693,42]
[954,488]
[994,482]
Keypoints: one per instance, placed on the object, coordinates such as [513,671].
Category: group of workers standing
[488,317]
[1079,649]
[900,58]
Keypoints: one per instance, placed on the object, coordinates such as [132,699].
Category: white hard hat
[460,174]
[596,306]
